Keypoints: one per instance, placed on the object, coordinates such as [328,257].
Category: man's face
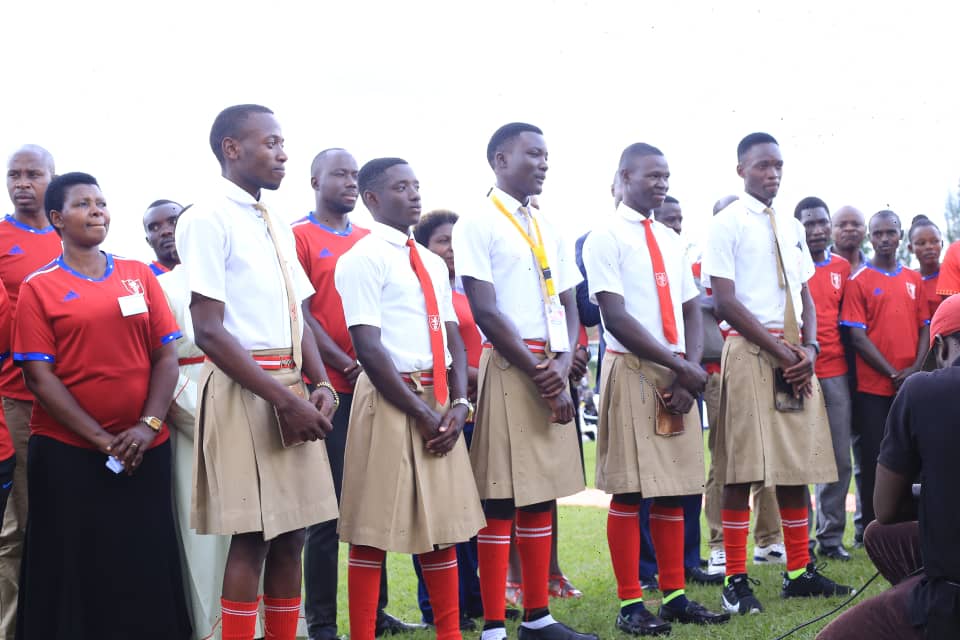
[399,199]
[257,153]
[160,223]
[669,213]
[849,229]
[84,220]
[816,222]
[761,169]
[523,163]
[336,182]
[28,175]
[885,235]
[645,182]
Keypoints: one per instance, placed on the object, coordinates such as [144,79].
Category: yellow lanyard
[539,251]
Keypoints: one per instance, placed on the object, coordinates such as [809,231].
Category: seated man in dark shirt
[920,558]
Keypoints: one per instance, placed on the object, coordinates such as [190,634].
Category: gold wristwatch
[153,422]
[467,404]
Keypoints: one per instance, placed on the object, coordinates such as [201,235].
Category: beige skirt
[516,451]
[396,495]
[243,479]
[631,458]
[757,443]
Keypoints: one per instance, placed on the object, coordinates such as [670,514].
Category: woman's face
[440,244]
[84,220]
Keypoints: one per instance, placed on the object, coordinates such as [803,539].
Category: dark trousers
[869,421]
[692,506]
[322,546]
[6,481]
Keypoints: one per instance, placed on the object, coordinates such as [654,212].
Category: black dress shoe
[835,553]
[699,576]
[512,614]
[693,613]
[642,623]
[554,631]
[388,625]
[466,623]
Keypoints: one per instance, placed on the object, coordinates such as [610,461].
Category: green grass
[586,561]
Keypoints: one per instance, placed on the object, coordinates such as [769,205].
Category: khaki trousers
[17,414]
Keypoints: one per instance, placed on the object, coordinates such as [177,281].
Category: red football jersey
[890,307]
[101,356]
[468,329]
[6,321]
[949,281]
[23,250]
[930,295]
[318,249]
[826,287]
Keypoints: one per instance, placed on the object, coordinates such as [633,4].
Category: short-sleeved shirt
[928,287]
[158,268]
[618,261]
[889,306]
[228,255]
[826,288]
[101,356]
[489,248]
[741,248]
[319,247]
[949,281]
[23,250]
[379,288]
[6,323]
[922,440]
[469,332]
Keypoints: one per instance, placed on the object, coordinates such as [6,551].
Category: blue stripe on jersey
[33,355]
[106,274]
[171,337]
[4,355]
[859,325]
[25,227]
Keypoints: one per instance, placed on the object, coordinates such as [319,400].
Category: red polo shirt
[826,287]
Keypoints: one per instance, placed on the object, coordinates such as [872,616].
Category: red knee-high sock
[623,538]
[493,558]
[441,577]
[736,525]
[795,537]
[666,529]
[280,616]
[239,619]
[534,534]
[363,590]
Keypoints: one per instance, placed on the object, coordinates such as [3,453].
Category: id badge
[558,337]
[132,305]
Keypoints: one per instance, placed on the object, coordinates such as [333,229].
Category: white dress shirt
[228,256]
[486,246]
[174,285]
[379,288]
[740,247]
[618,261]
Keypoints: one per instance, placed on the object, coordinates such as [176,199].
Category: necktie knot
[411,243]
[259,207]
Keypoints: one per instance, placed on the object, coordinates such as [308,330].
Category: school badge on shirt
[434,323]
[133,286]
[661,279]
[912,290]
[835,280]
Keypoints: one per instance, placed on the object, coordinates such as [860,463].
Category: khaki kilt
[516,451]
[243,479]
[757,443]
[396,495]
[631,458]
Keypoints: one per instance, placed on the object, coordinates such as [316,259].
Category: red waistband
[191,360]
[535,346]
[425,377]
[733,332]
[625,353]
[273,363]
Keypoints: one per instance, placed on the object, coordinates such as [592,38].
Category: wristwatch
[465,403]
[814,344]
[153,422]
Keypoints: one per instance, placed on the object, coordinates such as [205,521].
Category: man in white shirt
[407,485]
[773,425]
[519,278]
[246,289]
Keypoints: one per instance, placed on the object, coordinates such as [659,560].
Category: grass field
[586,561]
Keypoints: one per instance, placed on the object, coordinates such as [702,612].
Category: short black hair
[159,203]
[810,202]
[429,223]
[753,140]
[670,200]
[227,125]
[370,177]
[57,190]
[505,134]
[885,213]
[320,156]
[637,150]
[921,221]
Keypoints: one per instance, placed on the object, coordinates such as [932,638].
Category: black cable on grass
[832,611]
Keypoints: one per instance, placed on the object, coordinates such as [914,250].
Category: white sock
[539,623]
[496,633]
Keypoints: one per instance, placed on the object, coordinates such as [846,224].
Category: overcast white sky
[861,95]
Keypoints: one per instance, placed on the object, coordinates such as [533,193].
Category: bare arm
[746,324]
[322,398]
[451,424]
[869,352]
[693,330]
[330,351]
[892,497]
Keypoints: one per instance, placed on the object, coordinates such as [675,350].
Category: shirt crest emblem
[661,279]
[912,290]
[835,280]
[434,323]
[133,286]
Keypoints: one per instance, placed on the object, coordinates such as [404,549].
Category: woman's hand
[129,446]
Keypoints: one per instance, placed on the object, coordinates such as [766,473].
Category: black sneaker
[554,631]
[693,613]
[737,596]
[812,583]
[641,622]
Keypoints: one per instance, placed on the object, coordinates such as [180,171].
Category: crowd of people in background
[186,443]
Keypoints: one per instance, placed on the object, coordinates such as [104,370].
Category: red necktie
[663,285]
[433,323]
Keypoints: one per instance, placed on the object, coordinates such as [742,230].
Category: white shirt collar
[233,191]
[508,201]
[388,233]
[632,215]
[752,204]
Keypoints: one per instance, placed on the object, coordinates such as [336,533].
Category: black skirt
[100,558]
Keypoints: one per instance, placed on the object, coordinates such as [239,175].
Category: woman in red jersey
[926,243]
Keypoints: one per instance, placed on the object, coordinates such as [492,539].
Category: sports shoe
[641,622]
[737,596]
[717,565]
[560,587]
[692,613]
[812,583]
[554,631]
[774,553]
[696,575]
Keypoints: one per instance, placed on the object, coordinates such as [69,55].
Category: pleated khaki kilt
[757,443]
[516,451]
[396,495]
[631,458]
[244,480]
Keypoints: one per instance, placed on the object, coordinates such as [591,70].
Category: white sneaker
[775,553]
[717,565]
